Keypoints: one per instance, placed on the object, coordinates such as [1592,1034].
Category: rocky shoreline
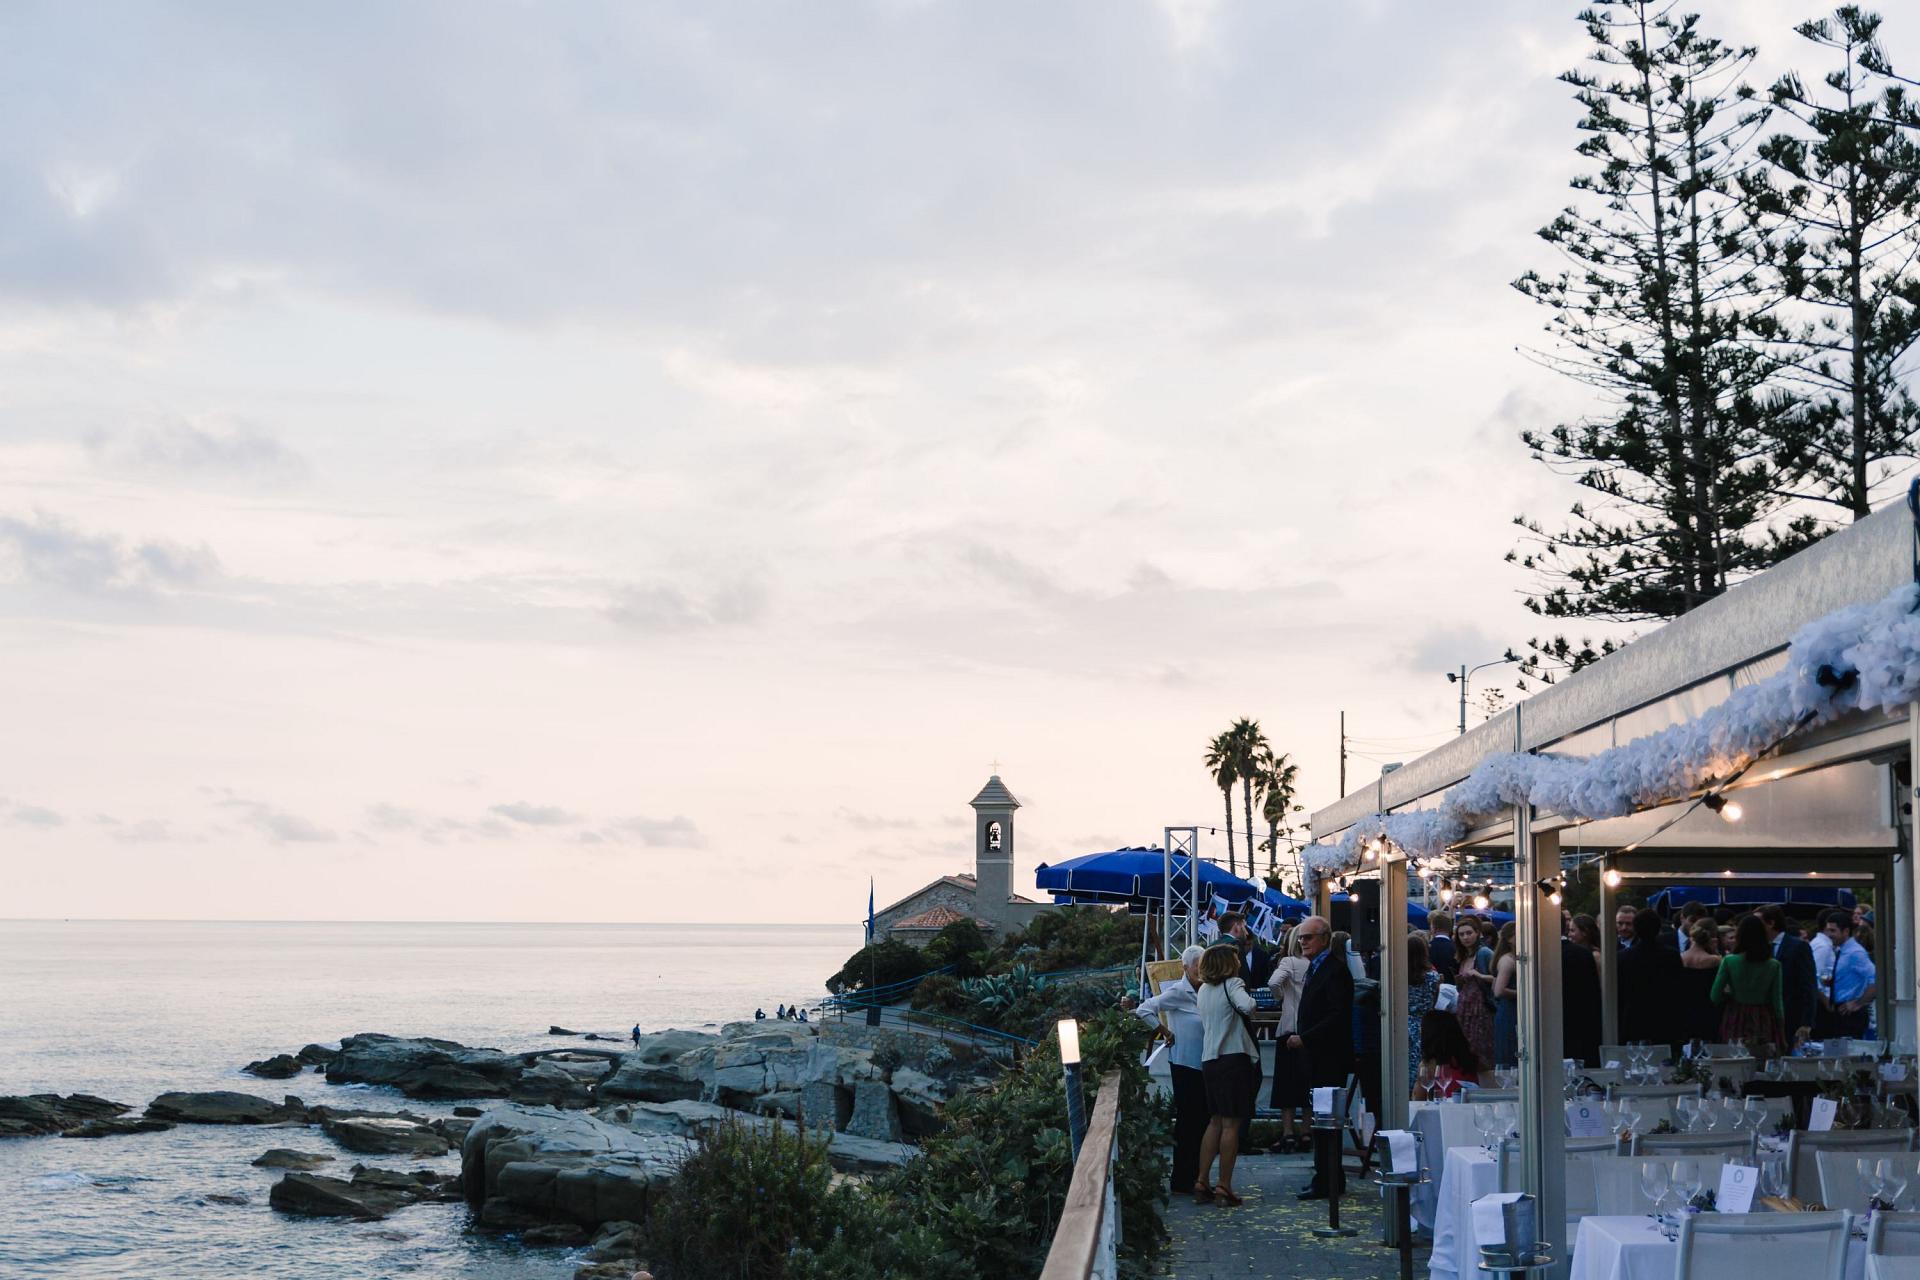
[572,1143]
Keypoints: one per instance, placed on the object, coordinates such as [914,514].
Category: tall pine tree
[1842,195]
[1660,310]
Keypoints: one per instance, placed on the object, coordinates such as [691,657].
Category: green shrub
[961,947]
[743,1200]
[940,993]
[1072,938]
[880,965]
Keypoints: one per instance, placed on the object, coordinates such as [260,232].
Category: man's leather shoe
[1312,1193]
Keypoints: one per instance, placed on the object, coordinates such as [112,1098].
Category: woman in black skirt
[1229,1064]
[1292,1074]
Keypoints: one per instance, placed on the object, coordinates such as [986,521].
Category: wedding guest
[1228,1065]
[1506,1000]
[1326,1023]
[1748,989]
[1423,988]
[1700,965]
[1853,978]
[1446,1059]
[1185,1035]
[1292,1072]
[1440,944]
[1586,932]
[1799,987]
[1650,975]
[1473,974]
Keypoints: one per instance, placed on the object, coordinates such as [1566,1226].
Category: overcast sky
[646,462]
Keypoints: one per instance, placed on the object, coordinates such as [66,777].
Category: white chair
[1604,1076]
[1456,1130]
[1618,1053]
[1493,1095]
[1892,1235]
[1581,1153]
[1840,1177]
[1734,1146]
[1655,1101]
[1616,1181]
[1762,1246]
[1804,1146]
[1724,1050]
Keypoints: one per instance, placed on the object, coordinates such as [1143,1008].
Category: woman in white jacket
[1230,1066]
[1292,1076]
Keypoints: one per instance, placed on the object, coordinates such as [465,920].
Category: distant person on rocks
[781,1013]
[759,1015]
[636,1033]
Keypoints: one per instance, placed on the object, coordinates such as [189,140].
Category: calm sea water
[129,1010]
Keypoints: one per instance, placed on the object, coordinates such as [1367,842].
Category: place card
[1737,1183]
[1824,1112]
[1584,1120]
[1613,1064]
[1403,1153]
[1323,1100]
[1895,1071]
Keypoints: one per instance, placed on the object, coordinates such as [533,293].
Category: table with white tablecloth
[1467,1174]
[1623,1248]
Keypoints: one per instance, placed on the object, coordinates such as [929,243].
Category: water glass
[1871,1181]
[1755,1110]
[1653,1182]
[1773,1176]
[1686,1180]
[1893,1181]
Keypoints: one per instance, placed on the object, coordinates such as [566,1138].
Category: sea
[128,1010]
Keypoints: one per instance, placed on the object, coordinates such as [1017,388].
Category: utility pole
[1463,699]
[1343,752]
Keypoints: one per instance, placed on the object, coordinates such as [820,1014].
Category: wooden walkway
[1272,1234]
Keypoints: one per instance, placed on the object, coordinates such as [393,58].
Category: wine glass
[1509,1118]
[1483,1123]
[1893,1181]
[1653,1182]
[1686,1180]
[1756,1113]
[1870,1180]
[1773,1176]
[1686,1113]
[1630,1112]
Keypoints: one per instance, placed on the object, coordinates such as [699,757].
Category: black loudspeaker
[1366,916]
[873,1015]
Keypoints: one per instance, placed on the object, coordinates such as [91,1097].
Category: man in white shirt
[1184,1039]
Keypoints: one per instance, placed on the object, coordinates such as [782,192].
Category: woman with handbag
[1229,1064]
[1292,1073]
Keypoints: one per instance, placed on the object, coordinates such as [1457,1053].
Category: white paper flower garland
[1864,657]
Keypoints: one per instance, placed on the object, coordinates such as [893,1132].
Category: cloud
[144,831]
[277,824]
[32,815]
[184,449]
[1443,649]
[49,551]
[391,817]
[663,608]
[535,815]
[677,832]
[873,822]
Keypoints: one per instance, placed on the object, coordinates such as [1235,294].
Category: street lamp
[1460,677]
[1070,1069]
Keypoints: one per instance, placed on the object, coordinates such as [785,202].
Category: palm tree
[1250,746]
[1223,761]
[1278,776]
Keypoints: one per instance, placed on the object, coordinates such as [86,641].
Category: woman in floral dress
[1423,988]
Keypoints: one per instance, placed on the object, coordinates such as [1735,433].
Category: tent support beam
[1394,1045]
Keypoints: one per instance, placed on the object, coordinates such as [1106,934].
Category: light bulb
[1730,812]
[1554,897]
[1480,902]
[1446,895]
[1612,878]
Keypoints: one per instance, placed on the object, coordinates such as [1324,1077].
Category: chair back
[1804,1146]
[1604,1076]
[1737,1147]
[1762,1246]
[1726,1049]
[1655,1100]
[1894,1235]
[1616,1181]
[1840,1185]
[1456,1130]
[1581,1152]
[1493,1095]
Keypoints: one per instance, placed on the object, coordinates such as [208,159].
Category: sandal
[1225,1196]
[1202,1193]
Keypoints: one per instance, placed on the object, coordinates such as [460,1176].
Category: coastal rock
[826,1106]
[382,1136]
[286,1158]
[118,1126]
[664,1047]
[874,1113]
[226,1197]
[550,1084]
[919,1098]
[280,1067]
[783,1102]
[39,1114]
[424,1068]
[538,1164]
[555,1235]
[317,1055]
[644,1081]
[370,1195]
[223,1106]
[454,1131]
[846,1152]
[561,1031]
[470,1113]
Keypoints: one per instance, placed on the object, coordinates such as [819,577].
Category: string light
[1480,901]
[1612,878]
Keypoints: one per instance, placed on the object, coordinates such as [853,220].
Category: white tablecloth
[1469,1173]
[1633,1249]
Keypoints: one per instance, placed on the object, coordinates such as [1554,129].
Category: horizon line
[698,924]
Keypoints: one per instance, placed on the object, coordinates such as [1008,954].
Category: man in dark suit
[1579,1003]
[1799,987]
[1650,975]
[1326,1024]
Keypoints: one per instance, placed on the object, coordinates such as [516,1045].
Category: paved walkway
[1272,1234]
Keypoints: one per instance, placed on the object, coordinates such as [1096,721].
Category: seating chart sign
[1737,1182]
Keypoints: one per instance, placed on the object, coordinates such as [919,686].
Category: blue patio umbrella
[1127,875]
[1676,896]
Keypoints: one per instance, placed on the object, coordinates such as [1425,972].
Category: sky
[654,461]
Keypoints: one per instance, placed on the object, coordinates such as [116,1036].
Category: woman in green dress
[1748,989]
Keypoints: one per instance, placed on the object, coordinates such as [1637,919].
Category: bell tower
[993,851]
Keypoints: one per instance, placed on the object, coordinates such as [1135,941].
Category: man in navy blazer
[1326,1023]
[1799,988]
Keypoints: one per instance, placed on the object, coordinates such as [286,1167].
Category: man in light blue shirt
[1185,1038]
[1853,977]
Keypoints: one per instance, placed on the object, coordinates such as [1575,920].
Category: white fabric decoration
[1878,644]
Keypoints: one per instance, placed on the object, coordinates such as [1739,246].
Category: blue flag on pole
[869,910]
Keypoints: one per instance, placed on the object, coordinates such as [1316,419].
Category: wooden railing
[1086,1243]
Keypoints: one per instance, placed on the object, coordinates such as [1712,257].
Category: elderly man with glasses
[1326,1024]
